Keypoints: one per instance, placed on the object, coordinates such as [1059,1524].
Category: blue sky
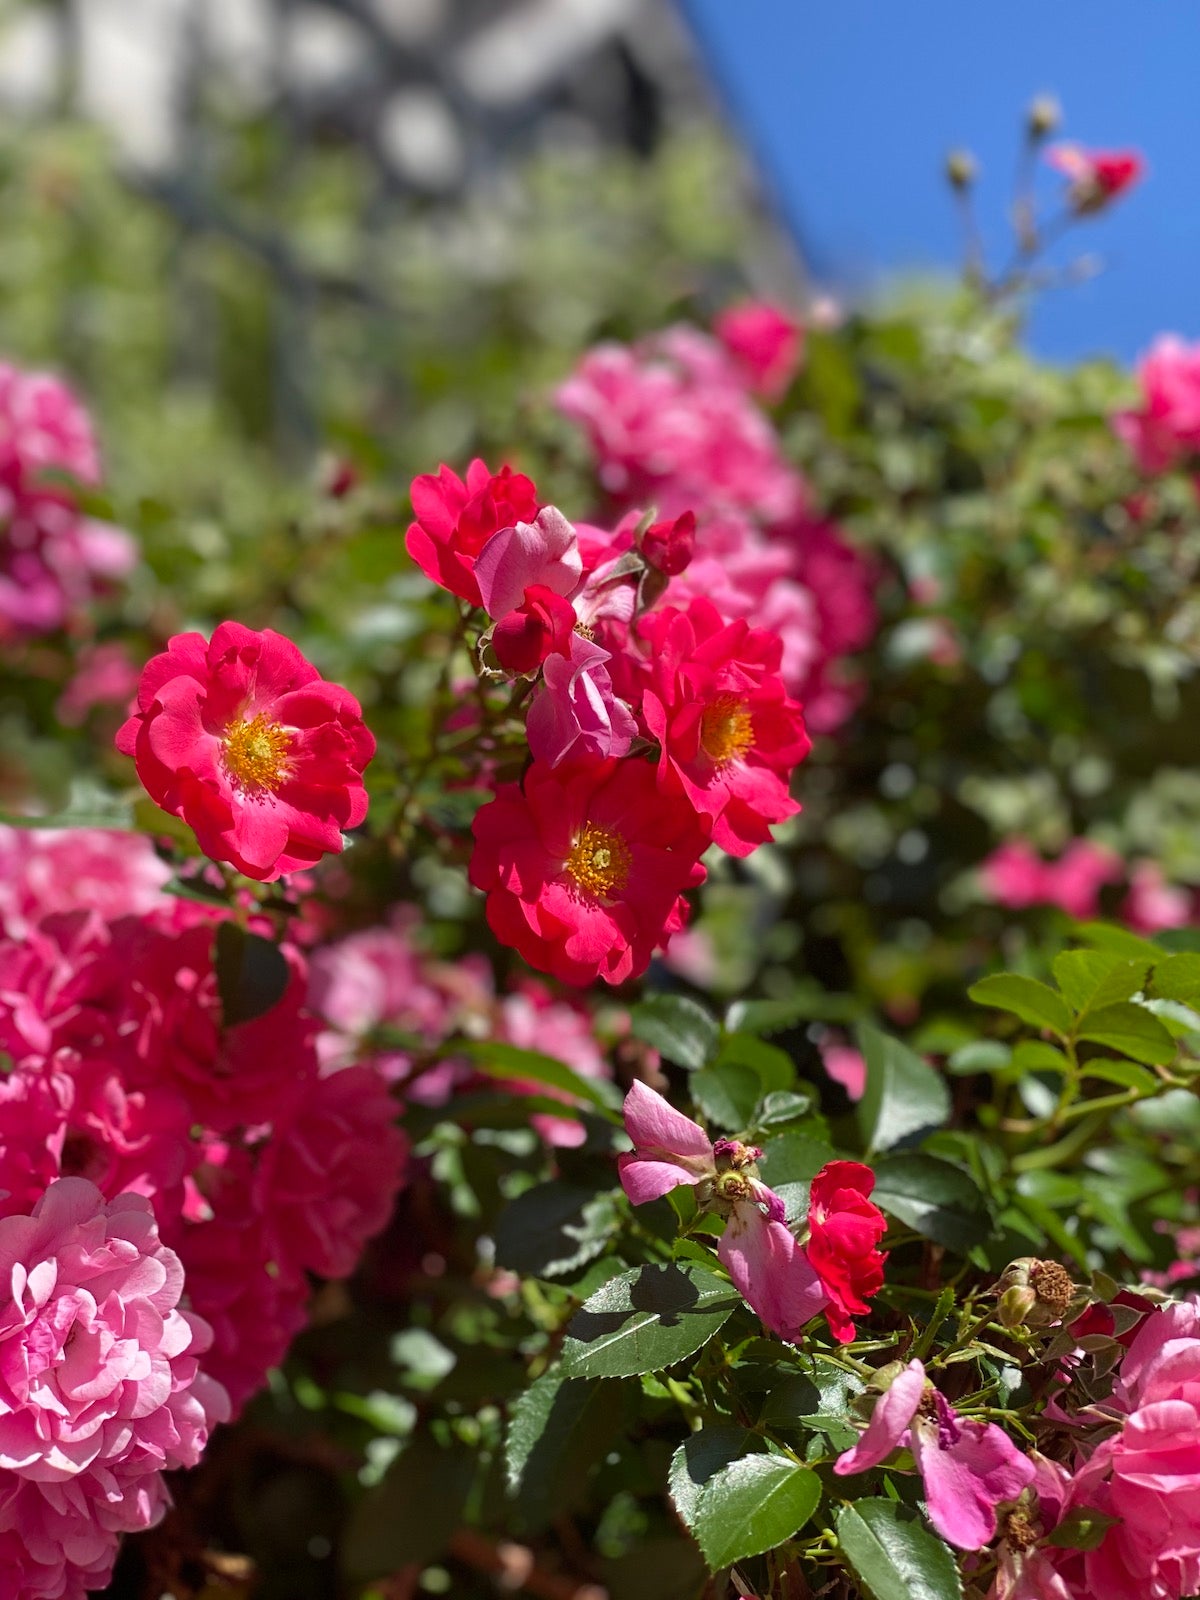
[851,105]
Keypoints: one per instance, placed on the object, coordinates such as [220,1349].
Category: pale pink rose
[102,1391]
[1016,876]
[1165,430]
[53,561]
[846,1066]
[105,675]
[1152,903]
[1074,881]
[48,870]
[766,1261]
[969,1467]
[765,344]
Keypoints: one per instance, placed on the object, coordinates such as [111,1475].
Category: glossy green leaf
[682,1029]
[935,1198]
[700,1457]
[1034,1002]
[645,1320]
[752,1505]
[894,1553]
[509,1061]
[904,1096]
[1093,978]
[1132,1030]
[726,1094]
[554,1228]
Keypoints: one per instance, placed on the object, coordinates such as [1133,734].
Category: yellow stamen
[726,728]
[599,861]
[256,754]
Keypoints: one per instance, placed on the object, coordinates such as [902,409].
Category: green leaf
[679,1027]
[1083,1529]
[727,1095]
[777,1016]
[904,1096]
[940,1201]
[1094,978]
[793,1158]
[645,1320]
[413,1512]
[1126,1073]
[509,1062]
[1034,1002]
[1133,1031]
[782,1107]
[252,974]
[1035,1055]
[820,1403]
[698,1460]
[895,1555]
[772,1065]
[753,1505]
[981,1055]
[1177,978]
[1119,940]
[554,1228]
[558,1433]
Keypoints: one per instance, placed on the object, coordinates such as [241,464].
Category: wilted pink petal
[969,1468]
[771,1270]
[893,1414]
[545,551]
[576,712]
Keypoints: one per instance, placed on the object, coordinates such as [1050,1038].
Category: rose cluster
[1120,1514]
[54,559]
[660,717]
[170,1178]
[1016,876]
[832,1265]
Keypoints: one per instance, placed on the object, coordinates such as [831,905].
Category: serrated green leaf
[1133,1031]
[896,1556]
[1177,978]
[554,1228]
[1035,1055]
[645,1320]
[700,1457]
[678,1026]
[1126,1073]
[937,1199]
[904,1097]
[1034,1002]
[558,1432]
[783,1106]
[1094,978]
[753,1505]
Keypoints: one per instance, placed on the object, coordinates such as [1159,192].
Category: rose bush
[679,1078]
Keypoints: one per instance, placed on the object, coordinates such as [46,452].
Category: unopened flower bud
[961,169]
[1044,116]
[1015,1305]
[668,547]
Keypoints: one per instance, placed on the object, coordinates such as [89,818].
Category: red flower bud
[541,626]
[668,547]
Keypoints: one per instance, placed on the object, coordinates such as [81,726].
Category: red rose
[243,739]
[844,1229]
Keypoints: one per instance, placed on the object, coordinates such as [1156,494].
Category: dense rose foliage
[242,738]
